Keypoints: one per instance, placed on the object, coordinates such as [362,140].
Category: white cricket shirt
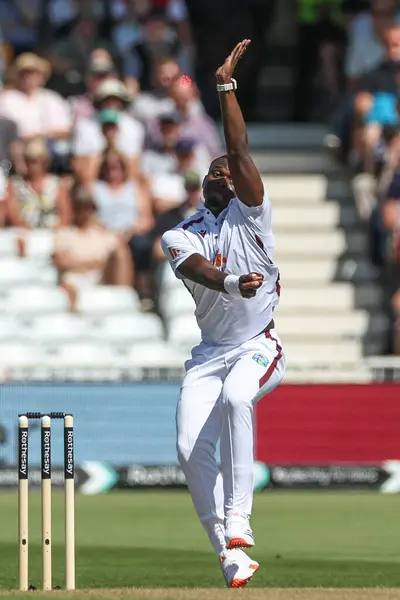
[238,241]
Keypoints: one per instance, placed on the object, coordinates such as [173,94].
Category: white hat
[112,88]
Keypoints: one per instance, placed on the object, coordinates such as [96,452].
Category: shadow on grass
[133,567]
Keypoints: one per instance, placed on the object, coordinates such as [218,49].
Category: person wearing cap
[173,216]
[86,254]
[37,200]
[89,141]
[194,123]
[160,157]
[38,112]
[101,67]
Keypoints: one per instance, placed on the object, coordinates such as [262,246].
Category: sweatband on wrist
[231,285]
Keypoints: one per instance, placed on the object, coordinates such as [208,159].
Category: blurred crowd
[103,136]
[365,134]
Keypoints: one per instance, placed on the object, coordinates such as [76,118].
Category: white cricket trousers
[216,403]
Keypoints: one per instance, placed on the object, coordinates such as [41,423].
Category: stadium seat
[80,354]
[128,328]
[156,355]
[19,271]
[8,245]
[10,329]
[177,302]
[183,332]
[61,327]
[337,326]
[33,299]
[103,299]
[39,244]
[329,298]
[18,354]
[340,353]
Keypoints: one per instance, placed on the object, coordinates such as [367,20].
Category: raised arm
[246,178]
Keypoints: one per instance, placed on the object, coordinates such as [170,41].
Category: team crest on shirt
[174,252]
[261,359]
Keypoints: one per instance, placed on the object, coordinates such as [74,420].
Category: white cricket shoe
[237,567]
[238,533]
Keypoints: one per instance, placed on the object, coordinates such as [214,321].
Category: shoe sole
[238,543]
[241,583]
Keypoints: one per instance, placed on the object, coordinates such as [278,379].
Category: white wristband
[231,284]
[227,87]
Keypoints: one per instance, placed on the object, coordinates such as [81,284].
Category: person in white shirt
[224,255]
[38,112]
[89,140]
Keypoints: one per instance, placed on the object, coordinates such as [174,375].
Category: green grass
[153,539]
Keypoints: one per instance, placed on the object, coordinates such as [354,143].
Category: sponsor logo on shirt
[261,359]
[174,252]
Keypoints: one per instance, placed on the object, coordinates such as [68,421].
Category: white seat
[104,299]
[36,299]
[10,329]
[303,188]
[177,302]
[80,354]
[183,332]
[157,355]
[39,244]
[20,271]
[57,327]
[18,354]
[340,353]
[335,297]
[128,328]
[8,245]
[316,326]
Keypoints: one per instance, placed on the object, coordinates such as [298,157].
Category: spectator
[38,199]
[375,104]
[38,112]
[172,217]
[157,40]
[111,100]
[163,158]
[366,47]
[150,104]
[194,125]
[124,208]
[190,156]
[70,55]
[101,67]
[86,254]
[384,79]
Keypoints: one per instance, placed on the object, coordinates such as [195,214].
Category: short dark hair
[223,158]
